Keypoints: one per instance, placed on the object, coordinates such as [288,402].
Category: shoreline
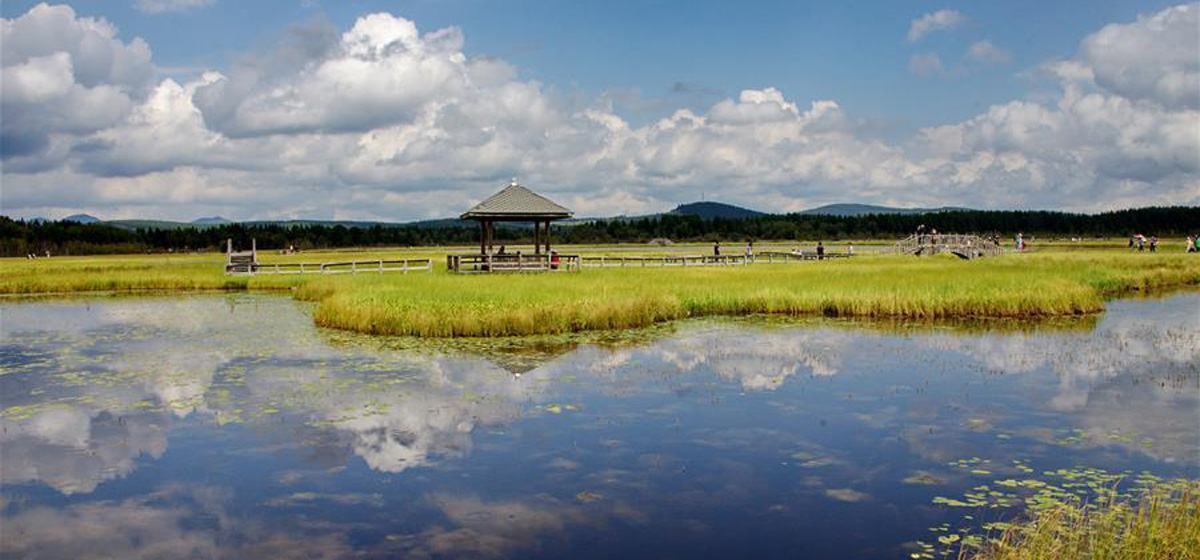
[443,305]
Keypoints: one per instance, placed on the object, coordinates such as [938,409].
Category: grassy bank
[1161,523]
[901,287]
[439,304]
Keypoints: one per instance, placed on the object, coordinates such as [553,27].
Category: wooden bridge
[962,246]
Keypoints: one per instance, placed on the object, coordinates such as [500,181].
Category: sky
[177,109]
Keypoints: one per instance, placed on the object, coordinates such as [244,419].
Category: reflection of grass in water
[1074,514]
[534,350]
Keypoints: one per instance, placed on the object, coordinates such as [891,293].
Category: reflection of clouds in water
[477,528]
[147,357]
[74,450]
[412,424]
[399,409]
[758,360]
[194,522]
[1161,340]
[174,523]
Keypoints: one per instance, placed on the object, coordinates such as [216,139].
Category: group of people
[1139,242]
[799,251]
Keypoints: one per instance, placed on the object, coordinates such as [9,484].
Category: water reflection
[236,427]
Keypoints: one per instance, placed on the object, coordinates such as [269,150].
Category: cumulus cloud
[1152,59]
[63,73]
[924,64]
[164,6]
[380,72]
[401,124]
[934,21]
[985,51]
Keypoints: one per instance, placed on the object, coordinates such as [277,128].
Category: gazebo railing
[512,262]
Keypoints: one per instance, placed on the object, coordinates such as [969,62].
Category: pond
[228,426]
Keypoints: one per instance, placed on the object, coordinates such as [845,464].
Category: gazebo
[514,203]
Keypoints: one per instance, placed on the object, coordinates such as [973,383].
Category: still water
[231,427]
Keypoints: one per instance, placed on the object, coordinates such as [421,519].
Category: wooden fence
[475,264]
[766,257]
[349,267]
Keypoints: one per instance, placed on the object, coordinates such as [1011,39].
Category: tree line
[20,238]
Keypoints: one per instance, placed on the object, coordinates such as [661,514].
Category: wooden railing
[765,257]
[965,246]
[349,267]
[512,262]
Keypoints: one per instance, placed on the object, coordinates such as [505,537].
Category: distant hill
[864,209]
[132,225]
[709,210]
[705,210]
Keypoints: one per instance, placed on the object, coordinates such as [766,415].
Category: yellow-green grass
[444,305]
[440,304]
[1163,523]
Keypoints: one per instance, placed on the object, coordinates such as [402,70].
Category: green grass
[438,304]
[899,287]
[1161,523]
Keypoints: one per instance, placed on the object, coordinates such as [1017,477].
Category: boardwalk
[962,246]
[348,267]
[766,257]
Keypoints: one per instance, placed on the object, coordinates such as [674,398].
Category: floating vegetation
[1071,513]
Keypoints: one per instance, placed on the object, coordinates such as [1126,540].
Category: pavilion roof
[515,202]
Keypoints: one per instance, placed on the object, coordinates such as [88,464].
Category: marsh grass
[1159,523]
[1019,286]
[438,304]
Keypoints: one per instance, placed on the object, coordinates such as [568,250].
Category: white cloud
[934,21]
[164,6]
[63,73]
[985,51]
[925,64]
[392,123]
[1154,58]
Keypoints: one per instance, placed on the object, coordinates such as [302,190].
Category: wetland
[229,425]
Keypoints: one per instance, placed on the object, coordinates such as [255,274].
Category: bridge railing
[963,245]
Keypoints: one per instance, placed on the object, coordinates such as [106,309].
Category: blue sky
[854,52]
[647,60]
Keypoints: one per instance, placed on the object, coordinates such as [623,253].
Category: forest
[21,238]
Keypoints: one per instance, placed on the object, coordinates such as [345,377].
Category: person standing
[1020,243]
[1153,243]
[716,248]
[749,250]
[1191,244]
[820,251]
[850,249]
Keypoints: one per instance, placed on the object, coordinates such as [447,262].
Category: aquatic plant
[1080,513]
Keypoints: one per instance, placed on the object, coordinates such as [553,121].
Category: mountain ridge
[703,209]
